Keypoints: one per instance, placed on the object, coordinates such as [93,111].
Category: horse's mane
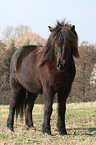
[63,34]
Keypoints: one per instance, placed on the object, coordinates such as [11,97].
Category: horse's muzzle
[61,65]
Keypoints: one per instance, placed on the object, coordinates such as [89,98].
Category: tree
[82,85]
[22,35]
[22,29]
[8,33]
[29,38]
[5,59]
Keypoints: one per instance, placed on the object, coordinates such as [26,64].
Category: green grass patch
[80,124]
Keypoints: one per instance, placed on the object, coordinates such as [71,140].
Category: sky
[39,14]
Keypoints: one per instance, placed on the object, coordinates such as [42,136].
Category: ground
[80,124]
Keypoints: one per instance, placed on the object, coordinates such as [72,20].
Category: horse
[46,70]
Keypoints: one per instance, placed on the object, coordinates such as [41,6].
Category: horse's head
[65,41]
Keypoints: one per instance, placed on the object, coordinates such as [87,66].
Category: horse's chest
[62,81]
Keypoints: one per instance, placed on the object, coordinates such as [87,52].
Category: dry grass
[80,122]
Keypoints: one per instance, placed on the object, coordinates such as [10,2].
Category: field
[80,123]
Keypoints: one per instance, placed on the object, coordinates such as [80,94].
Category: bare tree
[82,88]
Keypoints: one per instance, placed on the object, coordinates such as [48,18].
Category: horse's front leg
[61,114]
[47,111]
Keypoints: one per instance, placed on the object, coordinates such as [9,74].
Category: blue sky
[38,14]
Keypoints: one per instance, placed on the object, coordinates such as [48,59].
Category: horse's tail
[20,107]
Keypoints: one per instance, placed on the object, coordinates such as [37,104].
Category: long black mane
[63,34]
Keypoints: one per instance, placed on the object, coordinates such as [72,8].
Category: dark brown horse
[48,69]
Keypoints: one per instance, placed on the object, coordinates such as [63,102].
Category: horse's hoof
[47,132]
[10,129]
[63,132]
[31,128]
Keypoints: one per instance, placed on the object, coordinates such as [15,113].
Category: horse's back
[21,52]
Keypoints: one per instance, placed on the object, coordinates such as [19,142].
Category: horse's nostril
[61,64]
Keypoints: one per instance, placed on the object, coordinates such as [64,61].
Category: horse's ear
[50,28]
[73,28]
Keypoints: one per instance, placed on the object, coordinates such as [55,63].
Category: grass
[80,123]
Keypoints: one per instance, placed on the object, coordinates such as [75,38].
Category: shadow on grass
[82,131]
[76,131]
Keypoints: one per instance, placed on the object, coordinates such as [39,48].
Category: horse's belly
[30,83]
[32,87]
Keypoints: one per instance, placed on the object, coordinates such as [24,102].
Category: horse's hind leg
[16,93]
[30,98]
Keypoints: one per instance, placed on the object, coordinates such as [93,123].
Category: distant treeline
[84,86]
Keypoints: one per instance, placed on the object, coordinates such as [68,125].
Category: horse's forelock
[61,35]
[64,36]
